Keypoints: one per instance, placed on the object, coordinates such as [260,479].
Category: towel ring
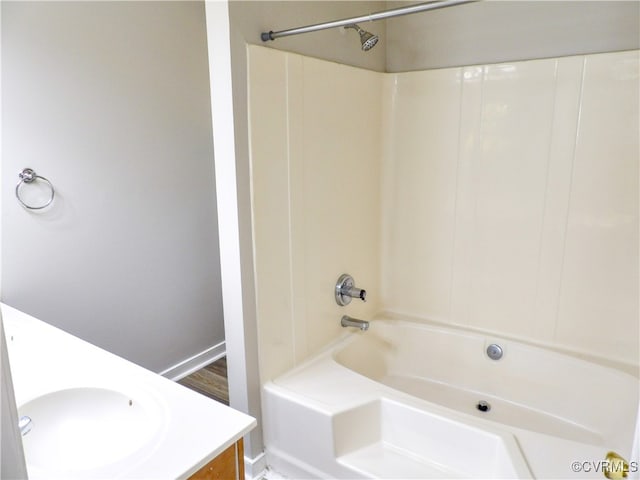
[27,175]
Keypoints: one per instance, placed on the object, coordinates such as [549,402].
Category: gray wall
[250,18]
[477,33]
[110,101]
[500,31]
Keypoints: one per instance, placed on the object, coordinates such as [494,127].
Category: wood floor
[210,381]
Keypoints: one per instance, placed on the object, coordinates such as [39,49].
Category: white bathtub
[400,401]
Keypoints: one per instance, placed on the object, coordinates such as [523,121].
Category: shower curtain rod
[395,12]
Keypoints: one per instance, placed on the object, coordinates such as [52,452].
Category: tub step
[387,439]
[381,460]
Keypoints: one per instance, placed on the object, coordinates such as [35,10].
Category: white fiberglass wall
[499,197]
[512,200]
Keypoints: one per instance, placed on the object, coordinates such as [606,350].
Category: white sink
[97,416]
[77,430]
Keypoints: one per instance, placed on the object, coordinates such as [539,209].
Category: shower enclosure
[324,143]
[500,199]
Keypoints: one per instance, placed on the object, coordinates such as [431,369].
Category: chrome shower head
[367,39]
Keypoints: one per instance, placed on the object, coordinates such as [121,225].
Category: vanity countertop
[183,429]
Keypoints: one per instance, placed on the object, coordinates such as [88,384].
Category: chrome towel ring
[27,176]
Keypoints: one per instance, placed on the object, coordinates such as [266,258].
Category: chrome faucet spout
[348,321]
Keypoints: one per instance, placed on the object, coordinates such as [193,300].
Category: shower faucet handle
[346,290]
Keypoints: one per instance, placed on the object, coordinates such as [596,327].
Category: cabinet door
[229,465]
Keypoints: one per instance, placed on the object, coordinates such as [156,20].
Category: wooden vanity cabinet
[229,465]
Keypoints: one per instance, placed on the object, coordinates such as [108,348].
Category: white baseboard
[254,468]
[195,363]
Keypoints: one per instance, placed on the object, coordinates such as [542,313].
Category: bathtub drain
[483,406]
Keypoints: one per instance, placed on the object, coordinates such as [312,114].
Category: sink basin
[97,416]
[82,429]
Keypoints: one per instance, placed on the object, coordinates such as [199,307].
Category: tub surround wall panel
[297,208]
[268,98]
[315,191]
[508,202]
[339,227]
[546,210]
[421,199]
[502,189]
[569,74]
[463,238]
[598,306]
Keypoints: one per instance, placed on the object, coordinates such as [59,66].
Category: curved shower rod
[395,12]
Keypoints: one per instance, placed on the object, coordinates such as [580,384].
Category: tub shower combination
[400,397]
[408,399]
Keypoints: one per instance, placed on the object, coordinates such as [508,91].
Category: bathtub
[409,399]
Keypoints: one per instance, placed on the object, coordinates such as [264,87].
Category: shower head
[367,39]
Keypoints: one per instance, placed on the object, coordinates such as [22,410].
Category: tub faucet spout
[347,321]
